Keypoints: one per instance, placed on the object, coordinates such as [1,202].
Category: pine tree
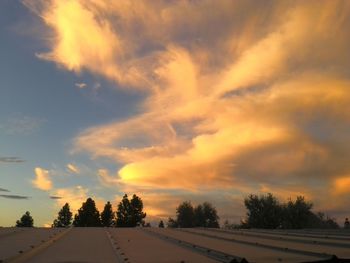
[129,213]
[107,215]
[25,221]
[161,224]
[137,215]
[64,218]
[88,215]
[185,215]
[123,212]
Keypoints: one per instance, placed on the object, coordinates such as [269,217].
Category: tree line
[263,211]
[202,215]
[266,211]
[129,214]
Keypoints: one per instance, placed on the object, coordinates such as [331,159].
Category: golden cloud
[73,168]
[42,179]
[75,197]
[342,185]
[235,99]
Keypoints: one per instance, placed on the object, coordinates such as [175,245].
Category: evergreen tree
[137,214]
[25,221]
[107,215]
[123,212]
[64,218]
[185,215]
[161,224]
[129,213]
[88,215]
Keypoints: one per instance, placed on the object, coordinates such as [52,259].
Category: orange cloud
[342,185]
[235,98]
[42,179]
[76,196]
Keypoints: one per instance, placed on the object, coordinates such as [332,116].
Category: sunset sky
[201,100]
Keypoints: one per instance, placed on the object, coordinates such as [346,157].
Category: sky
[173,101]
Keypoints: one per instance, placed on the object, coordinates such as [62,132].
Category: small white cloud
[42,179]
[73,168]
[81,85]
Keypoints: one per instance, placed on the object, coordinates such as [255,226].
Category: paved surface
[146,245]
[152,249]
[19,242]
[79,245]
[341,251]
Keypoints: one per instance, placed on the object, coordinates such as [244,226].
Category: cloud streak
[21,124]
[55,197]
[11,160]
[73,168]
[20,197]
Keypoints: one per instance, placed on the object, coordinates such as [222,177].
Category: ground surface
[141,245]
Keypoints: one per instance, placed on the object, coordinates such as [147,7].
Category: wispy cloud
[81,85]
[14,196]
[19,123]
[11,160]
[106,179]
[71,168]
[55,197]
[4,190]
[42,179]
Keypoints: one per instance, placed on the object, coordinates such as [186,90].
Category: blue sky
[174,102]
[41,111]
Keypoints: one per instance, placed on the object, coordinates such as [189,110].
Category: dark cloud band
[11,160]
[15,196]
[55,197]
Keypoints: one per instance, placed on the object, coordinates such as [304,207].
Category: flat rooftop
[79,245]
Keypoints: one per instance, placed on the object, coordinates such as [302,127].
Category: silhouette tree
[205,215]
[107,215]
[347,223]
[130,212]
[199,218]
[123,212]
[172,223]
[320,220]
[185,215]
[298,214]
[266,212]
[88,215]
[25,221]
[211,218]
[64,218]
[263,211]
[161,224]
